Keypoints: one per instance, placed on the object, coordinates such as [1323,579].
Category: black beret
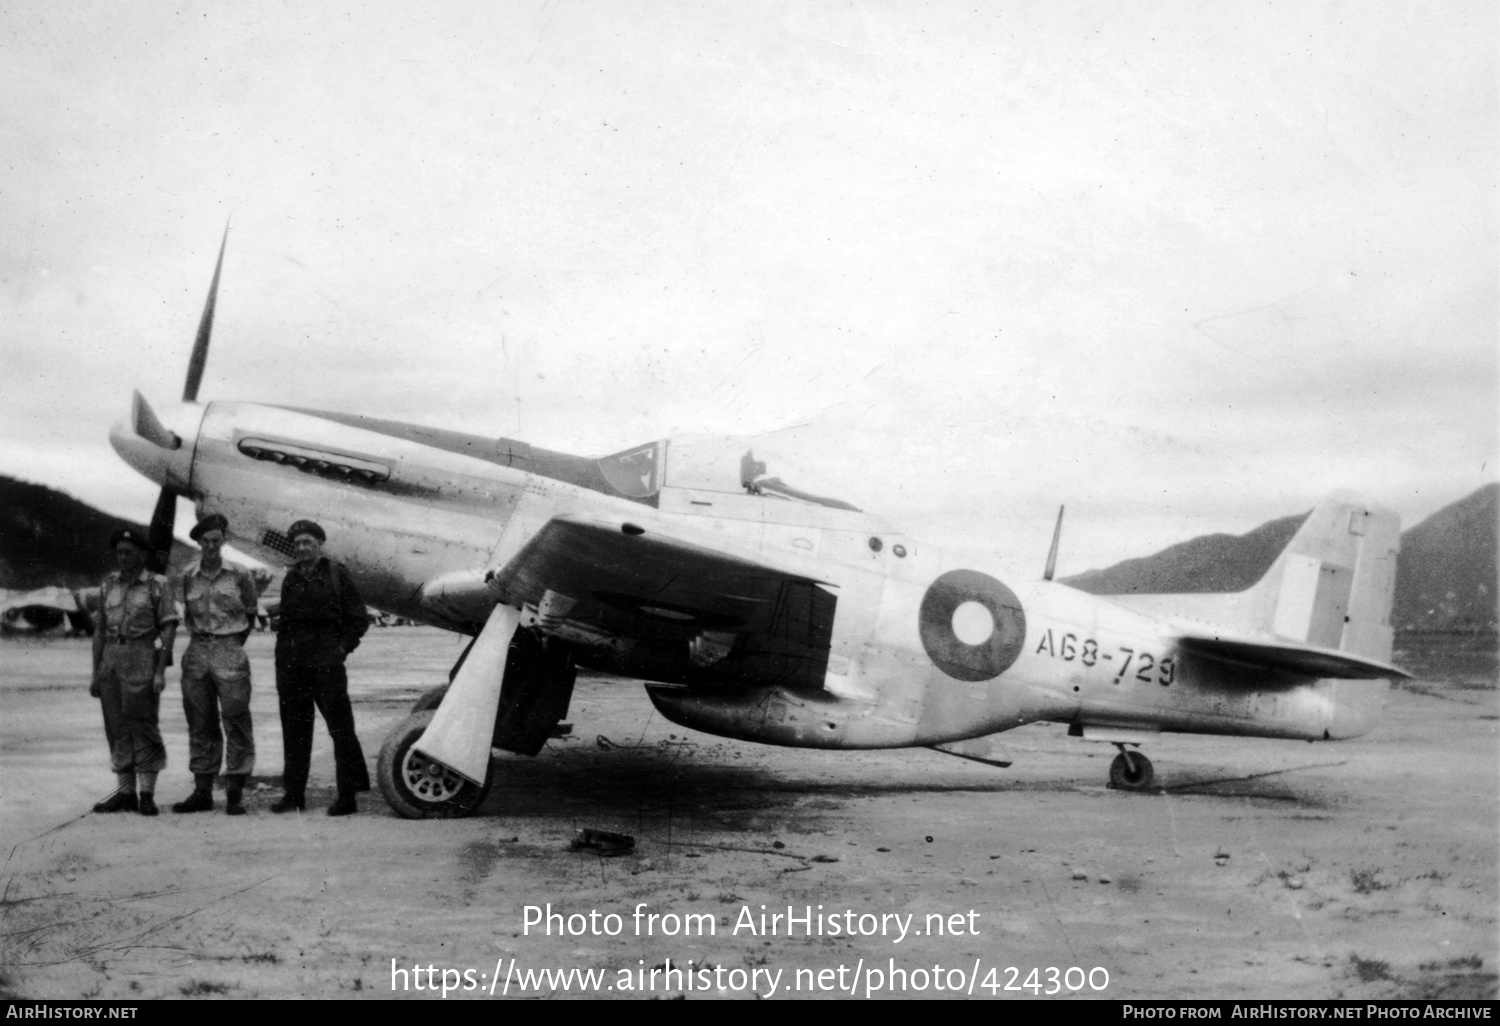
[213,522]
[306,527]
[131,535]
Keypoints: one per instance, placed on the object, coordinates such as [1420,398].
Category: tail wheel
[417,787]
[1131,771]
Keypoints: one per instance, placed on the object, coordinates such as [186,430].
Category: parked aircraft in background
[754,609]
[46,611]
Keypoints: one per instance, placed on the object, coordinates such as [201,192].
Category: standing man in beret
[130,671]
[322,620]
[218,600]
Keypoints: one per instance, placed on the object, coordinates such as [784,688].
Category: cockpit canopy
[736,464]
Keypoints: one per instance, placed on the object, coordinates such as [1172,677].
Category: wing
[669,608]
[1289,655]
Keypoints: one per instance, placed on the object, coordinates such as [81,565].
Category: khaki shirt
[137,608]
[220,604]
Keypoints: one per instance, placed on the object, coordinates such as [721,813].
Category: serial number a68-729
[1136,664]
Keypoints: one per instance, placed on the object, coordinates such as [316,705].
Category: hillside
[49,538]
[1445,575]
[1213,562]
[1445,579]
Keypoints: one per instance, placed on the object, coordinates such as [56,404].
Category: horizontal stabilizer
[1290,656]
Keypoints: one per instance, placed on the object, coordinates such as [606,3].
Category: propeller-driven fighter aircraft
[753,609]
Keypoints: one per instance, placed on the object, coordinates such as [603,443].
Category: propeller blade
[205,330]
[159,534]
[143,418]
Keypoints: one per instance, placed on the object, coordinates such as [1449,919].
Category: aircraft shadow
[661,781]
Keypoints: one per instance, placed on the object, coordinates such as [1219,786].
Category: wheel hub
[429,780]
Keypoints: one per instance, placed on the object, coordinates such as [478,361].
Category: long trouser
[130,704]
[215,684]
[301,687]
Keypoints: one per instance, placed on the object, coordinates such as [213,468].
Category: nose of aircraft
[159,445]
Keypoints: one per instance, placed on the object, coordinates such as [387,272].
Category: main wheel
[418,787]
[1131,771]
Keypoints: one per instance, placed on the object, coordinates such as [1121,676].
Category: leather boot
[290,803]
[234,789]
[120,801]
[147,802]
[343,805]
[202,798]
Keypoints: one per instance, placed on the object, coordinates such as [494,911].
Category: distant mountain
[1445,578]
[48,538]
[1445,575]
[1214,562]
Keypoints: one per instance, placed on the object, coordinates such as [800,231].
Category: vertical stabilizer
[1333,585]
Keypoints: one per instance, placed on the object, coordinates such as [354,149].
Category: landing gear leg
[1130,771]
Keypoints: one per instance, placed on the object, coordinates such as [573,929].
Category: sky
[1181,267]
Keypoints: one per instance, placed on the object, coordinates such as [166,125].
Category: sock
[146,783]
[125,782]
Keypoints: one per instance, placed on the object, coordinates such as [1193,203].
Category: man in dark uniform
[322,620]
[130,671]
[218,599]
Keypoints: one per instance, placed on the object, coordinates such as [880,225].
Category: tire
[1131,771]
[430,700]
[415,786]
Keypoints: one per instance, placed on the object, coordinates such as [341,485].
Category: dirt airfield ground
[1263,869]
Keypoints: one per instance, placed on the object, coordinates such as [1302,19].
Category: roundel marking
[986,658]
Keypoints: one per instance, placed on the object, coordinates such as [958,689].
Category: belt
[215,637]
[133,641]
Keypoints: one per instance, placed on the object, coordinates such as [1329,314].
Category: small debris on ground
[603,842]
